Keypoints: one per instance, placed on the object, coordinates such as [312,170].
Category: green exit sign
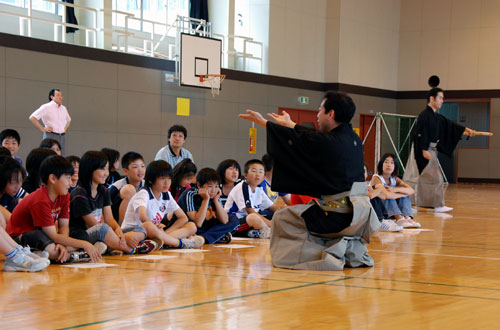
[303,100]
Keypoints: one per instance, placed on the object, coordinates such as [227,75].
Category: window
[40,5]
[151,10]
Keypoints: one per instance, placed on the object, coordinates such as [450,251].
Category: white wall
[458,40]
[368,44]
[297,39]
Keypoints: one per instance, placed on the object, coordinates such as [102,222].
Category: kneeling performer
[325,163]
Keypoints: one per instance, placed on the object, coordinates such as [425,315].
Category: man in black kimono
[328,164]
[433,132]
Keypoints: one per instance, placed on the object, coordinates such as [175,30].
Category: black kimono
[432,127]
[328,165]
[433,132]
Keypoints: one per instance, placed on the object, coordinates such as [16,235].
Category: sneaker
[193,242]
[265,232]
[226,239]
[403,222]
[37,254]
[146,246]
[158,242]
[389,225]
[24,263]
[101,247]
[442,209]
[79,256]
[413,223]
[253,233]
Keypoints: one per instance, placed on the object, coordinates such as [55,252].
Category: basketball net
[215,81]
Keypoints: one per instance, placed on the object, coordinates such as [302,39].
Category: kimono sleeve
[450,134]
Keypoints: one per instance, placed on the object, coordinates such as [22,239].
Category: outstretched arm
[282,120]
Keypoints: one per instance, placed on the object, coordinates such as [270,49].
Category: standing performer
[432,132]
[328,234]
[55,118]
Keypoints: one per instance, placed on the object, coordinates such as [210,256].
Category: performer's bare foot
[442,209]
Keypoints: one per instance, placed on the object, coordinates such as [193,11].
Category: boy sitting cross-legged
[124,189]
[247,199]
[203,206]
[33,221]
[152,203]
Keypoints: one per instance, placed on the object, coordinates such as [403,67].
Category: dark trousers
[213,230]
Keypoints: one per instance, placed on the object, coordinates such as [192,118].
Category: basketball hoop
[215,80]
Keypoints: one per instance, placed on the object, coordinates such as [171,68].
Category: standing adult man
[173,153]
[55,118]
[328,164]
[433,132]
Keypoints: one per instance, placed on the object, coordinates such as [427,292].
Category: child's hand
[160,225]
[63,253]
[93,253]
[203,193]
[217,195]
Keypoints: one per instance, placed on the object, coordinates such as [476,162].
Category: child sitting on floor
[203,206]
[249,199]
[397,206]
[151,204]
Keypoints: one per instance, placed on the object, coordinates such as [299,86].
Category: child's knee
[191,227]
[127,192]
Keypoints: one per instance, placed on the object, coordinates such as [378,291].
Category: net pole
[392,143]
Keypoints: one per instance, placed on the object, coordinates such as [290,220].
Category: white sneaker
[389,225]
[193,242]
[442,209]
[24,263]
[265,232]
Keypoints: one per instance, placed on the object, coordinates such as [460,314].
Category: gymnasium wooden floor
[445,277]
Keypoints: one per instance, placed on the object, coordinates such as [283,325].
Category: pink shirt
[53,116]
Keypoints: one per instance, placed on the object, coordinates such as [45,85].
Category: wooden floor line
[410,243]
[413,291]
[468,243]
[426,283]
[206,303]
[438,255]
[272,269]
[215,275]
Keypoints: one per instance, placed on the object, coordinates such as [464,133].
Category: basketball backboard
[199,56]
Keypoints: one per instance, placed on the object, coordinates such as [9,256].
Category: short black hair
[185,167]
[53,92]
[433,92]
[8,167]
[33,162]
[268,162]
[380,165]
[155,170]
[91,161]
[57,165]
[113,155]
[6,133]
[177,128]
[48,143]
[206,175]
[5,152]
[252,162]
[73,159]
[342,104]
[129,158]
[224,165]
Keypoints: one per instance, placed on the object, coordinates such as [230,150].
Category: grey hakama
[294,246]
[429,185]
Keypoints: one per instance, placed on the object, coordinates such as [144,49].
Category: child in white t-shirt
[149,206]
[249,199]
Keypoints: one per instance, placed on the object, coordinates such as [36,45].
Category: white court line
[437,255]
[90,265]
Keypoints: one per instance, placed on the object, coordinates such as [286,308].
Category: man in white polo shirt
[55,118]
